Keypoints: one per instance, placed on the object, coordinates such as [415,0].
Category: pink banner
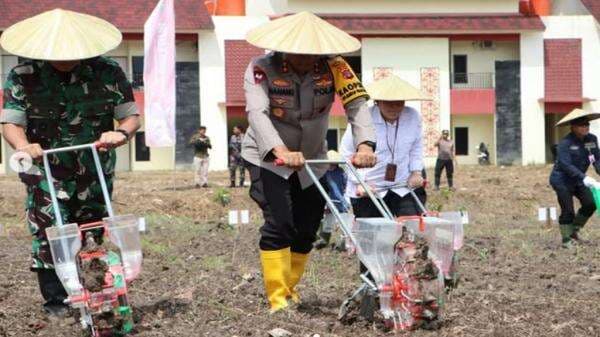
[159,75]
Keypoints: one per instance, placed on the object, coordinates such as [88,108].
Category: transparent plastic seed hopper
[409,259]
[104,308]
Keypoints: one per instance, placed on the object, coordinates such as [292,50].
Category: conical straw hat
[60,35]
[393,88]
[302,33]
[576,114]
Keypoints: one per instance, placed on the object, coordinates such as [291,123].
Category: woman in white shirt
[399,150]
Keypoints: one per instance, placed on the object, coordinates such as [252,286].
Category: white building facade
[500,73]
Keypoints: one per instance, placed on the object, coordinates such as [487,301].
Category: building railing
[472,81]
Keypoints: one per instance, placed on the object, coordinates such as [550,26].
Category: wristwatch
[370,143]
[125,133]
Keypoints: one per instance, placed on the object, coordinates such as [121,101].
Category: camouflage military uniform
[62,109]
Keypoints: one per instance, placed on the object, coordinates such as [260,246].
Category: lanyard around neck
[387,138]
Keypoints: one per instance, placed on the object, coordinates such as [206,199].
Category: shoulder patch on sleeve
[24,69]
[347,85]
[259,75]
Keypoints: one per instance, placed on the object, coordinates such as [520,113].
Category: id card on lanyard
[591,157]
[391,168]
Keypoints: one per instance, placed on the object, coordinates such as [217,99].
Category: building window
[137,71]
[142,152]
[332,139]
[461,141]
[460,69]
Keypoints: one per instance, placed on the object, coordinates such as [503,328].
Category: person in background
[445,160]
[398,129]
[201,144]
[400,152]
[236,163]
[336,183]
[576,152]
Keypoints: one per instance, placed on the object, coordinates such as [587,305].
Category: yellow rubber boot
[276,265]
[298,265]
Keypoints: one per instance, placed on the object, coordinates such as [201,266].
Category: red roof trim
[126,15]
[566,99]
[451,37]
[561,108]
[235,104]
[487,22]
[178,36]
[593,6]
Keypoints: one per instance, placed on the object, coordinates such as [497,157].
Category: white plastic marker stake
[233,218]
[553,213]
[245,215]
[142,224]
[465,217]
[547,214]
[542,214]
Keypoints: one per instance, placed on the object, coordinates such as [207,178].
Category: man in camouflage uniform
[53,104]
[236,163]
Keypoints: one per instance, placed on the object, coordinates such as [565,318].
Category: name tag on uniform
[574,147]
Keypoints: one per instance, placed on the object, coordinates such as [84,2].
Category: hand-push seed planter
[409,259]
[95,277]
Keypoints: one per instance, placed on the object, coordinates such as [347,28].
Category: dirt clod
[92,274]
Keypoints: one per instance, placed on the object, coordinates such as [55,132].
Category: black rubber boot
[578,223]
[566,232]
[53,292]
[323,240]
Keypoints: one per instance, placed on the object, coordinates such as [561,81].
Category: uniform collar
[285,70]
[586,138]
[83,71]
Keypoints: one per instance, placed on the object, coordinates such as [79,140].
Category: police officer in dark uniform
[575,153]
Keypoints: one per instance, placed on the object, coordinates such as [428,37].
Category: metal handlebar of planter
[94,148]
[347,167]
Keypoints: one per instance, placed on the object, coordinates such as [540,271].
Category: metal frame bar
[93,147]
[330,203]
[377,201]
